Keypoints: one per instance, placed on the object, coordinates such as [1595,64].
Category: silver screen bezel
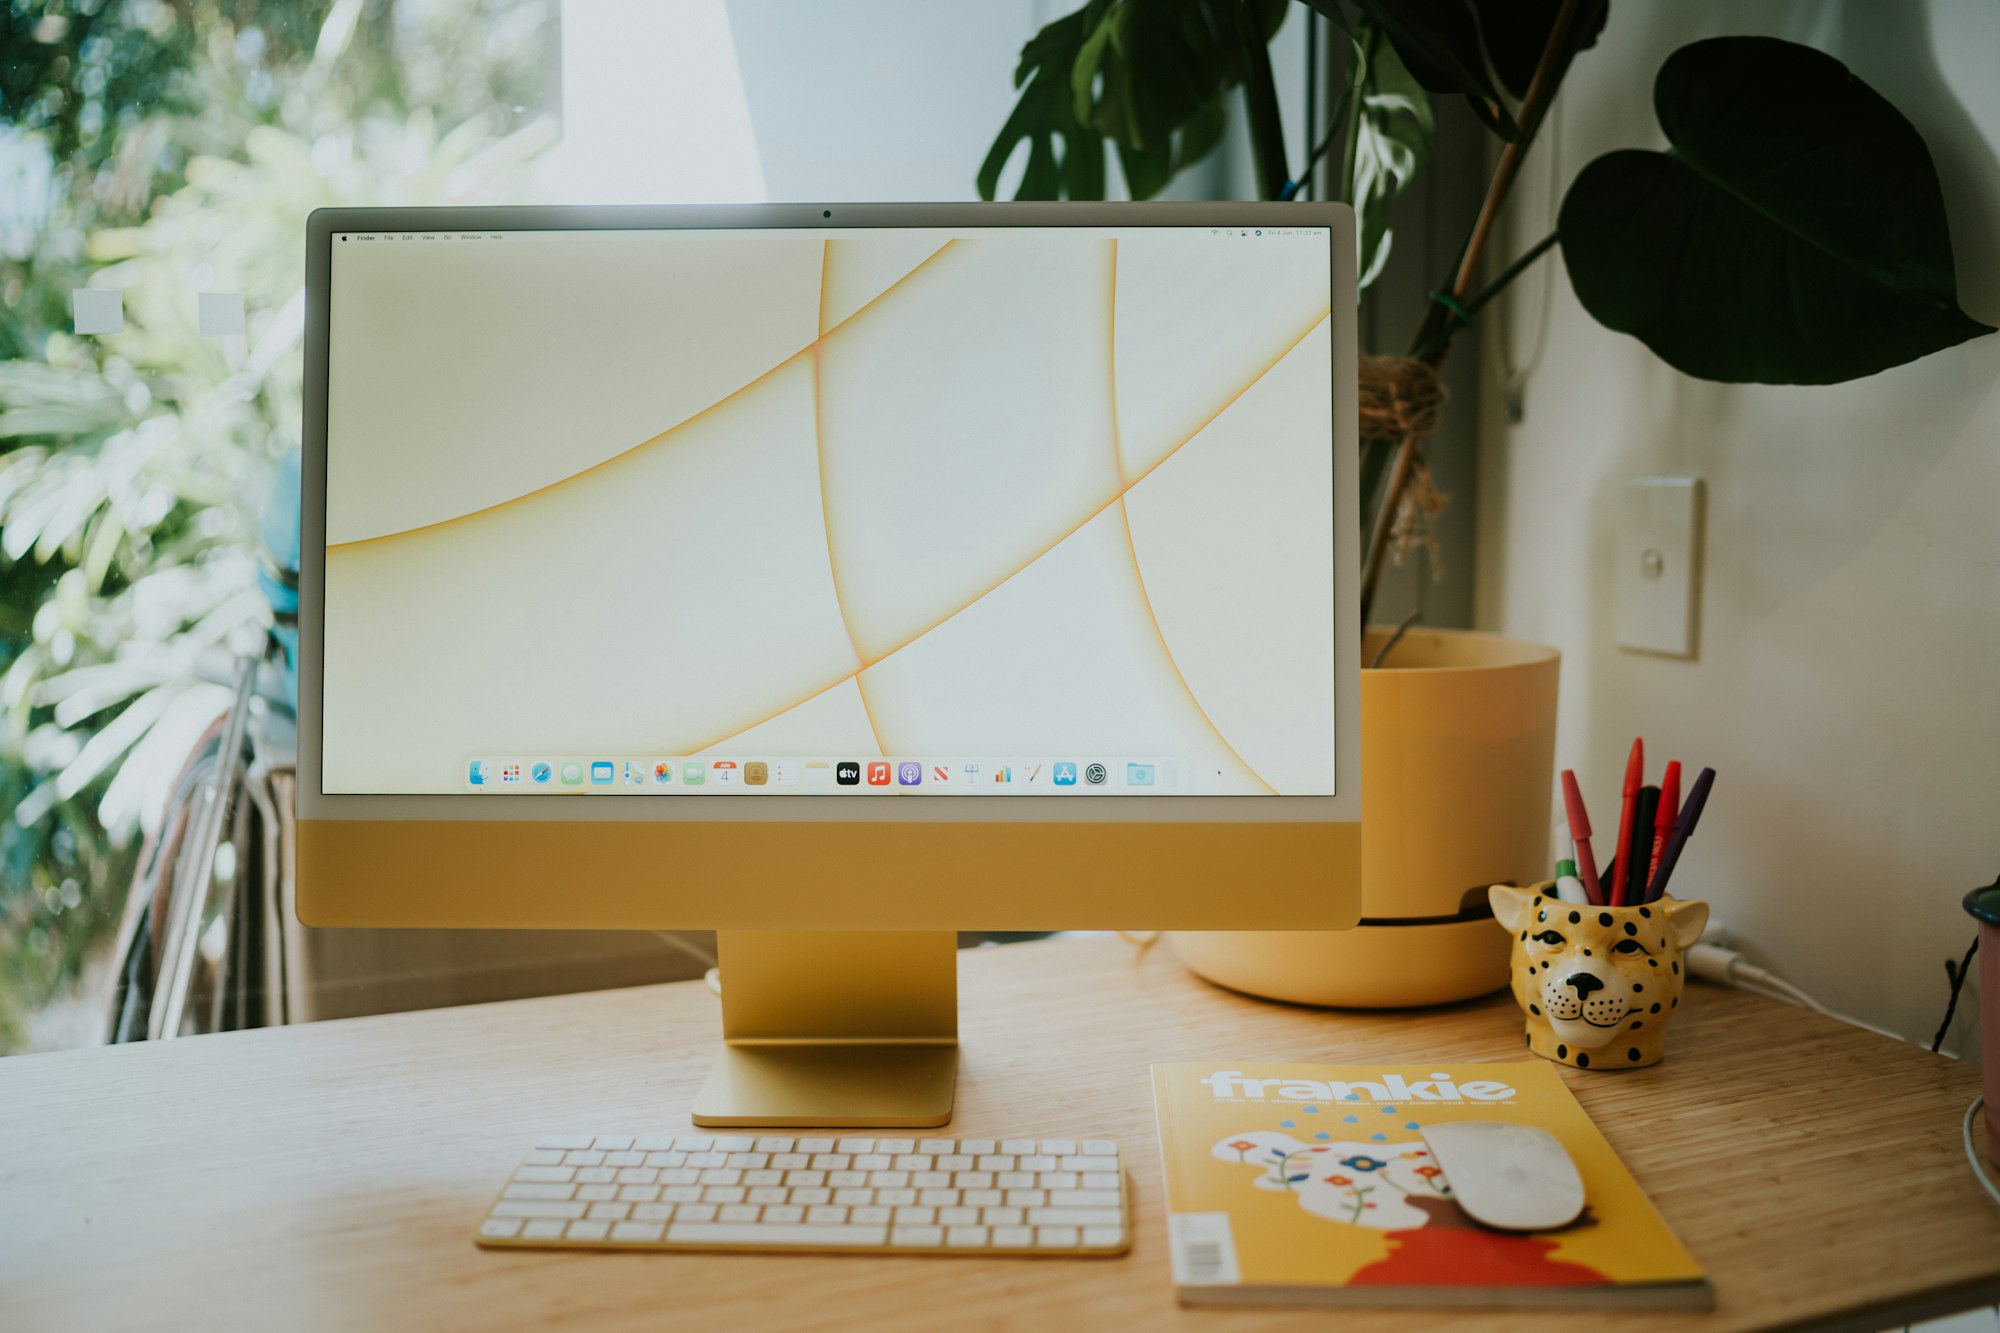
[1342,807]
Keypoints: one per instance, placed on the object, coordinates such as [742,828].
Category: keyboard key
[1031,1162]
[543,1157]
[638,1175]
[659,1159]
[1100,1148]
[855,1145]
[695,1212]
[1057,1238]
[931,1180]
[652,1212]
[1075,1217]
[766,1194]
[965,1237]
[814,1145]
[771,1144]
[1015,1180]
[681,1194]
[958,1217]
[784,1212]
[975,1147]
[972,1180]
[896,1198]
[733,1142]
[846,1180]
[706,1160]
[611,1212]
[1100,1180]
[639,1231]
[1013,1238]
[764,1234]
[1000,1217]
[638,1193]
[872,1214]
[1027,1198]
[613,1143]
[1058,1180]
[850,1197]
[979,1198]
[500,1228]
[1104,1237]
[749,1161]
[1058,1147]
[911,1161]
[528,1190]
[694,1143]
[595,1175]
[831,1161]
[996,1162]
[811,1197]
[891,1180]
[953,1162]
[596,1193]
[938,1198]
[1078,1164]
[872,1161]
[894,1146]
[915,1217]
[826,1212]
[582,1158]
[808,1178]
[542,1229]
[936,1146]
[722,1194]
[721,1175]
[588,1230]
[1083,1198]
[739,1212]
[1017,1147]
[765,1177]
[928,1238]
[538,1208]
[624,1159]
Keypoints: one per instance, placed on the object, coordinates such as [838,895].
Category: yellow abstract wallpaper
[841,495]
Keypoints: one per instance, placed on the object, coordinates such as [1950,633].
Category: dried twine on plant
[1400,400]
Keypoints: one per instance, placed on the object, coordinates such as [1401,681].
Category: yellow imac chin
[837,578]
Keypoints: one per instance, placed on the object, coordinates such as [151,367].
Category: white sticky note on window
[97,310]
[219,313]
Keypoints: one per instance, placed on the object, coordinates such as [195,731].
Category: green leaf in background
[1043,114]
[1517,31]
[1438,41]
[1793,233]
[1392,146]
[1148,75]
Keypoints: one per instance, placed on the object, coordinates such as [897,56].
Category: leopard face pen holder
[1597,984]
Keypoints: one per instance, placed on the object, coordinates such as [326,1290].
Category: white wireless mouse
[1509,1177]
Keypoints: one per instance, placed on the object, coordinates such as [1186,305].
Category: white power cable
[1972,1153]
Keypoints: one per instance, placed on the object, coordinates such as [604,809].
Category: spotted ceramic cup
[1597,984]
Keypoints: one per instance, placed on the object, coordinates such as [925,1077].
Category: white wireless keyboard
[777,1192]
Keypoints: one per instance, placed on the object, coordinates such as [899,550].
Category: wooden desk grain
[329,1176]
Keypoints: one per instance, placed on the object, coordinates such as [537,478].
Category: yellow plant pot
[1457,775]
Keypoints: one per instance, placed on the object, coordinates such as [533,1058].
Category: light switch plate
[1658,582]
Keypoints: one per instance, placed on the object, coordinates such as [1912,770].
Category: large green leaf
[1149,75]
[1793,233]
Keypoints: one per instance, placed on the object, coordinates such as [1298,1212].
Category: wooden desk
[331,1175]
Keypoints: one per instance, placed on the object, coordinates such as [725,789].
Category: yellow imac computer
[836,577]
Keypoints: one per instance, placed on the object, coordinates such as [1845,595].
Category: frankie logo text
[1233,1085]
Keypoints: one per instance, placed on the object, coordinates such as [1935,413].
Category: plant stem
[1472,304]
[1435,332]
[1260,103]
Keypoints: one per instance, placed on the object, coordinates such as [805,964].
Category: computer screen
[681,513]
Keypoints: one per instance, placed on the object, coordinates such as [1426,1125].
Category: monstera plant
[1791,232]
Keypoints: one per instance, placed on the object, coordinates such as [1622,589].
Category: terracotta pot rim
[1522,653]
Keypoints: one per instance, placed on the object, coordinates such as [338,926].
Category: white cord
[1972,1153]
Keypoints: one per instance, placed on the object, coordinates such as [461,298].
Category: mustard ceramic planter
[1458,735]
[1598,984]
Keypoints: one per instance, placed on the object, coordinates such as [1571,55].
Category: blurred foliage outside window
[165,148]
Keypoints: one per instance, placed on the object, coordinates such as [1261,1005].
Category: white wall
[1848,685]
